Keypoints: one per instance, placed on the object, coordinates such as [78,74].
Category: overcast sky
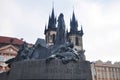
[100,20]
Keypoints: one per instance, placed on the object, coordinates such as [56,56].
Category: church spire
[52,15]
[73,24]
[73,16]
[81,31]
[45,30]
[52,20]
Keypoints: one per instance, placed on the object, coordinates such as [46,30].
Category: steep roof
[73,24]
[52,20]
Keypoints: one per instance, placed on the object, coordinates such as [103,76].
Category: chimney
[21,39]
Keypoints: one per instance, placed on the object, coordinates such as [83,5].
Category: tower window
[53,38]
[50,38]
[77,41]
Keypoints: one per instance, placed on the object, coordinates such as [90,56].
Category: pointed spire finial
[52,15]
[73,16]
[81,31]
[53,4]
[73,24]
[52,20]
[45,29]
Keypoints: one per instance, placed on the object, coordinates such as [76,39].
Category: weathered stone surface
[55,69]
[61,34]
[4,76]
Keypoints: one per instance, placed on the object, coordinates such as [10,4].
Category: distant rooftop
[11,40]
[108,63]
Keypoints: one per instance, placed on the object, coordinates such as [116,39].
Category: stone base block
[55,69]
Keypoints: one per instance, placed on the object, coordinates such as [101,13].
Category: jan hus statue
[61,50]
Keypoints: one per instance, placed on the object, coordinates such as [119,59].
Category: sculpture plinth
[39,69]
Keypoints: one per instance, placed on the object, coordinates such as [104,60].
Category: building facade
[105,70]
[8,49]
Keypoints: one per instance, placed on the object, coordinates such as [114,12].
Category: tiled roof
[11,40]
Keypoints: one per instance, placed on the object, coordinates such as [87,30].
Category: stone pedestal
[55,69]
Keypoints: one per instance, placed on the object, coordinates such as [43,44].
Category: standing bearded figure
[61,34]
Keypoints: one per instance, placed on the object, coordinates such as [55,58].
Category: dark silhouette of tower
[50,31]
[75,35]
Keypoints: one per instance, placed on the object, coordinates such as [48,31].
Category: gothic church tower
[50,31]
[75,35]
